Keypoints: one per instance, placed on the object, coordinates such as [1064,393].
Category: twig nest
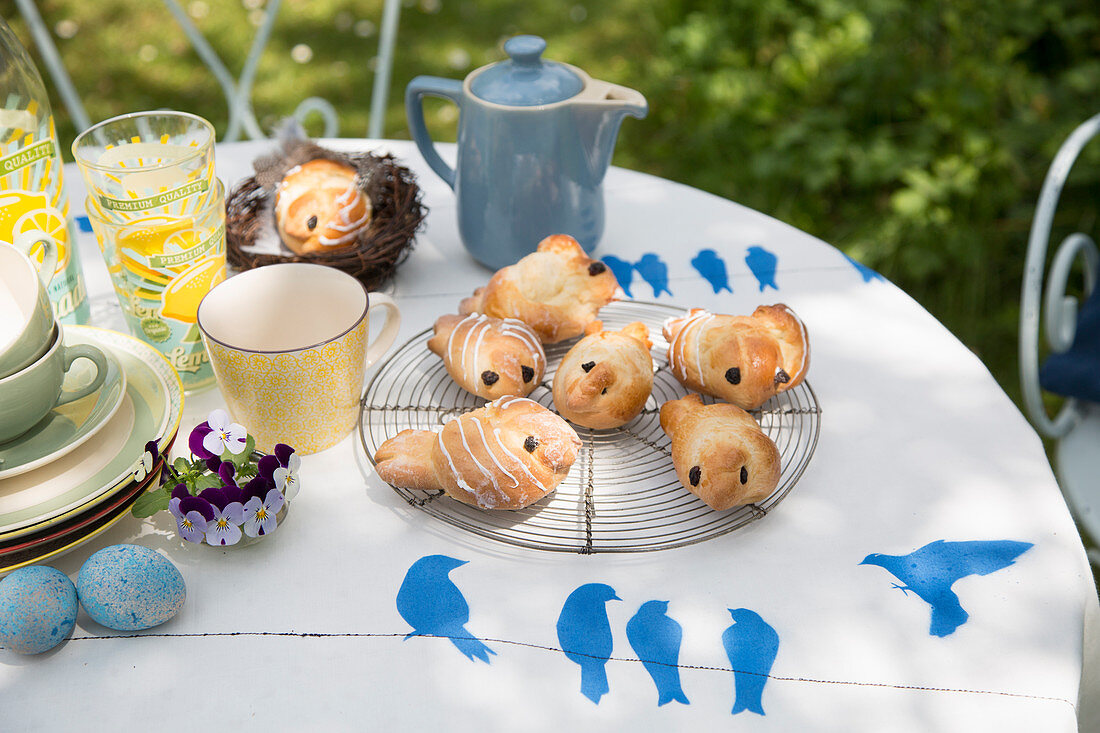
[356,212]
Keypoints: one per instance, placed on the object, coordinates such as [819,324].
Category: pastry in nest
[319,207]
[556,290]
[745,360]
[719,452]
[491,357]
[505,455]
[605,379]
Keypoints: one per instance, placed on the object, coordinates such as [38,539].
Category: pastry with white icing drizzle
[491,357]
[719,452]
[556,290]
[605,379]
[505,455]
[319,208]
[745,360]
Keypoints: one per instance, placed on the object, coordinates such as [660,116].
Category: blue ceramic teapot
[535,139]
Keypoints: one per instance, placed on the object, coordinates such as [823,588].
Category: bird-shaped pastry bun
[556,290]
[745,360]
[318,207]
[504,455]
[605,379]
[491,357]
[719,452]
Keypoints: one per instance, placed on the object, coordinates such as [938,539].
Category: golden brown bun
[505,455]
[720,454]
[491,357]
[745,360]
[557,290]
[321,193]
[605,379]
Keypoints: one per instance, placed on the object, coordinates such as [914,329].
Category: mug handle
[384,340]
[83,351]
[26,242]
[430,86]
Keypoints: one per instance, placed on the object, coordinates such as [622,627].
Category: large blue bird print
[656,638]
[931,571]
[434,606]
[584,633]
[751,645]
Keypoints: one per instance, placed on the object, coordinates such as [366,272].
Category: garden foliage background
[912,134]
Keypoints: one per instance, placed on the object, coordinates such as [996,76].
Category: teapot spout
[600,110]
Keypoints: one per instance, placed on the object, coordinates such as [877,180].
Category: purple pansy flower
[195,443]
[256,488]
[225,529]
[192,514]
[148,458]
[259,516]
[222,496]
[224,434]
[282,469]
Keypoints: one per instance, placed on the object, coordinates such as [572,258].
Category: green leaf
[242,458]
[182,465]
[150,503]
[208,481]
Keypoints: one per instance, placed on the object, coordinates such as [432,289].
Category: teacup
[28,395]
[26,317]
[289,347]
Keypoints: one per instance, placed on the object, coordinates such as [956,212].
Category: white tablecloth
[918,444]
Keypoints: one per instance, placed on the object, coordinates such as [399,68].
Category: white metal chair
[1076,427]
[238,92]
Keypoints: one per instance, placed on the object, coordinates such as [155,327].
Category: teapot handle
[430,86]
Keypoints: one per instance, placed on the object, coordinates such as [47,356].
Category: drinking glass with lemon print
[148,164]
[161,267]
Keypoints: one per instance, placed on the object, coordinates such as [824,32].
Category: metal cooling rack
[622,494]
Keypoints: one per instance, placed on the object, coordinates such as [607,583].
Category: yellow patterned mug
[288,344]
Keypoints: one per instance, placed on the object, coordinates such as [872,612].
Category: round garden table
[921,574]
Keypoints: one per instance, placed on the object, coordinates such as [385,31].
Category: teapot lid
[526,80]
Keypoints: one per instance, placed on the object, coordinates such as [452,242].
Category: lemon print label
[33,207]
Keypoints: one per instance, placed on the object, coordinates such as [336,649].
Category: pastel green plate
[66,428]
[150,411]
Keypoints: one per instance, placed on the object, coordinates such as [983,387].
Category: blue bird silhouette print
[655,272]
[713,269]
[931,571]
[865,272]
[655,638]
[434,606]
[763,264]
[751,645]
[584,633]
[623,271]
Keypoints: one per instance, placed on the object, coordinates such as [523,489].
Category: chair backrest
[1060,308]
[238,92]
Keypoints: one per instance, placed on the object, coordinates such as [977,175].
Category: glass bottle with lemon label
[33,204]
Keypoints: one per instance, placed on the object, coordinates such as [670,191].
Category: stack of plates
[79,470]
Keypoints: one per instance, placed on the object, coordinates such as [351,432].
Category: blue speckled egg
[128,588]
[37,609]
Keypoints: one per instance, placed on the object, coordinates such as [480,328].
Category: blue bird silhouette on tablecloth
[585,635]
[655,638]
[655,272]
[623,271]
[763,264]
[751,645]
[434,606]
[866,272]
[931,571]
[713,269]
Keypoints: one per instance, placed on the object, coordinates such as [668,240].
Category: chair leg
[54,66]
[381,91]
